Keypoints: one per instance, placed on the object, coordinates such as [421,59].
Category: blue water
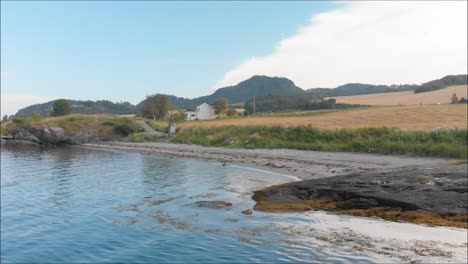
[74,204]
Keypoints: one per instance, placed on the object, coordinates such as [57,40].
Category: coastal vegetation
[98,125]
[384,140]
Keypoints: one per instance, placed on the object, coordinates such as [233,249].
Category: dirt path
[149,130]
[303,164]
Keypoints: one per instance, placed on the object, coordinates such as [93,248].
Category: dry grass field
[406,117]
[406,98]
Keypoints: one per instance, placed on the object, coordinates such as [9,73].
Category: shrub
[124,129]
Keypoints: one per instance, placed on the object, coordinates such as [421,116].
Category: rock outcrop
[55,136]
[438,193]
[50,135]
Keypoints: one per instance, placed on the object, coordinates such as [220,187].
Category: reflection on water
[76,204]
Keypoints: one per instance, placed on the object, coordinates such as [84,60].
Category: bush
[124,129]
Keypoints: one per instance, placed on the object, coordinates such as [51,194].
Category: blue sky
[126,50]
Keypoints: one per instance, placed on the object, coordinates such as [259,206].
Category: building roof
[204,104]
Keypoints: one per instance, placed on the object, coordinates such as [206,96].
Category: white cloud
[370,42]
[11,103]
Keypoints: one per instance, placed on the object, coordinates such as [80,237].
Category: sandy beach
[305,165]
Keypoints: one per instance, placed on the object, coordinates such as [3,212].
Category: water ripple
[83,205]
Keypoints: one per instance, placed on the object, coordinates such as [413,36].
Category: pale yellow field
[405,117]
[406,98]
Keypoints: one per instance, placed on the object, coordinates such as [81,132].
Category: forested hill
[360,88]
[243,91]
[449,80]
[81,107]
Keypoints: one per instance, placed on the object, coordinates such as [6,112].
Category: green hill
[449,80]
[81,107]
[360,88]
[245,90]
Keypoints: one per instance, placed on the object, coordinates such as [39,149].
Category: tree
[5,118]
[231,112]
[175,117]
[156,106]
[454,99]
[61,107]
[220,105]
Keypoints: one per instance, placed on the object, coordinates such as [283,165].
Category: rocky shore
[419,190]
[52,136]
[434,196]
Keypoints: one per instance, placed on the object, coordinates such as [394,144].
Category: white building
[202,112]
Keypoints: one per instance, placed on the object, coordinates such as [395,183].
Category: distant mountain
[449,80]
[81,107]
[255,86]
[259,86]
[360,88]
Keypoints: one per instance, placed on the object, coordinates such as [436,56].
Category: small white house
[202,112]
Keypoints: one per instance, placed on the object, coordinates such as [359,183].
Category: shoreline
[427,191]
[304,164]
[328,232]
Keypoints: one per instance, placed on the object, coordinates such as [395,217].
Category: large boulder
[50,135]
[25,135]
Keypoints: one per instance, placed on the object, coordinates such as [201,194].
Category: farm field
[406,98]
[405,117]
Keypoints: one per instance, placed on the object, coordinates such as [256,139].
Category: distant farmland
[405,117]
[406,98]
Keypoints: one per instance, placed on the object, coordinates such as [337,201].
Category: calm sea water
[75,204]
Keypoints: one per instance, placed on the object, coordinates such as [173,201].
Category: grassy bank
[449,143]
[101,125]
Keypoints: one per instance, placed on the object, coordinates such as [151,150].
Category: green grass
[450,144]
[141,137]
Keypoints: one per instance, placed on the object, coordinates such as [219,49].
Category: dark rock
[50,135]
[400,189]
[26,136]
[359,203]
[247,212]
[274,165]
[213,204]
